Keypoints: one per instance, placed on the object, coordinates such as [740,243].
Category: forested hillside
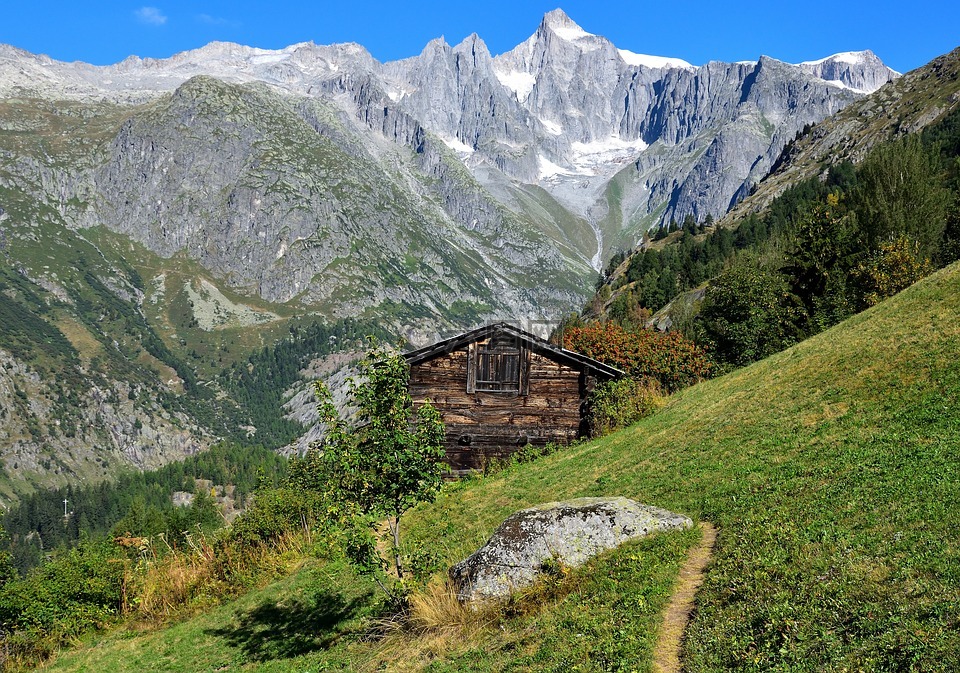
[824,249]
[138,503]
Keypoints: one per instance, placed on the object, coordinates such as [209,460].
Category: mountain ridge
[315,181]
[524,132]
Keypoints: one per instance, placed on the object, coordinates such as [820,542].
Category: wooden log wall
[484,426]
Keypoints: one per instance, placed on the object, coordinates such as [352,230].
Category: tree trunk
[395,530]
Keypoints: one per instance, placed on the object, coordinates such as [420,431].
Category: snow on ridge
[563,26]
[569,31]
[521,83]
[647,61]
[593,158]
[840,85]
[851,57]
[269,58]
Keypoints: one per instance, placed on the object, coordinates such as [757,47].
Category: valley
[189,245]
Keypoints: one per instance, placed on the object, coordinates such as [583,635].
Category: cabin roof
[531,341]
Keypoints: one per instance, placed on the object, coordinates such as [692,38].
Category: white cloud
[217,21]
[150,16]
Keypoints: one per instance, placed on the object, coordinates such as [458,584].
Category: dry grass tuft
[434,625]
[167,582]
[437,610]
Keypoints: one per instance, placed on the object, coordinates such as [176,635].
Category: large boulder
[570,532]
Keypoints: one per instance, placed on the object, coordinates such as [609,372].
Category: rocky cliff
[161,219]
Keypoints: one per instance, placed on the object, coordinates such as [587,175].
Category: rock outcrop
[570,532]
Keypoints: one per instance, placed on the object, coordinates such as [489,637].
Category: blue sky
[904,35]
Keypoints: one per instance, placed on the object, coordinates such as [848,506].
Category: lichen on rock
[571,532]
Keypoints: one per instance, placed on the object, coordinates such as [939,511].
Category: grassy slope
[832,472]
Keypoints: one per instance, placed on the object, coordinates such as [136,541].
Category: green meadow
[831,472]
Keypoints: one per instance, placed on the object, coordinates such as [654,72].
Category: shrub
[895,266]
[74,592]
[748,313]
[670,359]
[276,512]
[617,404]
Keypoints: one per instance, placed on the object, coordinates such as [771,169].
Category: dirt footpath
[666,655]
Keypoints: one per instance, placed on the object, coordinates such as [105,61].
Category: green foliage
[893,267]
[201,516]
[259,383]
[748,313]
[568,322]
[871,236]
[658,274]
[8,571]
[24,332]
[900,192]
[77,590]
[615,260]
[824,249]
[106,314]
[626,309]
[862,235]
[276,512]
[379,465]
[618,404]
[138,502]
[672,360]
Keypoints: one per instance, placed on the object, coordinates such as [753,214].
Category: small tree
[895,266]
[379,464]
[748,313]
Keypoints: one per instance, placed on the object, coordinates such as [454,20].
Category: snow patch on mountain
[570,32]
[269,58]
[564,27]
[851,57]
[595,158]
[552,127]
[647,61]
[599,156]
[521,83]
[840,85]
[548,169]
[457,145]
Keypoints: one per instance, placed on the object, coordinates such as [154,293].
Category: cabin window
[497,367]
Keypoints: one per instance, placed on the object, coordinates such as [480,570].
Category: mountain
[162,219]
[823,158]
[622,140]
[910,104]
[860,71]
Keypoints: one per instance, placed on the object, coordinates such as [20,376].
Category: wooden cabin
[499,388]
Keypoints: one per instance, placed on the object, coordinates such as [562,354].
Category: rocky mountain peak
[861,71]
[559,33]
[565,110]
[476,47]
[561,25]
